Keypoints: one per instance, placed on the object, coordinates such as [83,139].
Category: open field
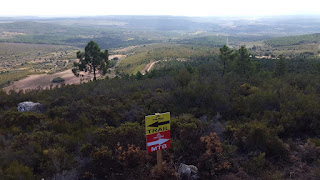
[22,55]
[43,81]
[17,60]
[36,81]
[7,78]
[12,54]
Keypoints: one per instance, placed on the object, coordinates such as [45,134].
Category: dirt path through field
[148,67]
[45,80]
[120,57]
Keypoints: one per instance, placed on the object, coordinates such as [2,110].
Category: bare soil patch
[124,49]
[119,56]
[45,80]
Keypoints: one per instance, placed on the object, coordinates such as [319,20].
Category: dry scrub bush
[212,162]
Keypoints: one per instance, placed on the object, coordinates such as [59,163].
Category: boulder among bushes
[30,106]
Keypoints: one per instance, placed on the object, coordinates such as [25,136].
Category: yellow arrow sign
[157,123]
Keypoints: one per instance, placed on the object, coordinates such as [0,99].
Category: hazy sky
[158,7]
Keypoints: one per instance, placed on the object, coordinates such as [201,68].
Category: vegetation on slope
[294,40]
[18,60]
[50,33]
[246,125]
[139,58]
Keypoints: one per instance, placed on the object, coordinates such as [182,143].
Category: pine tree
[243,61]
[226,56]
[93,59]
[280,68]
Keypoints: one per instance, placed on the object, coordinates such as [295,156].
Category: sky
[58,8]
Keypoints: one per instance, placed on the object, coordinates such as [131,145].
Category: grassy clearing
[8,77]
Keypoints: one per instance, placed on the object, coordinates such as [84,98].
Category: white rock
[188,172]
[30,106]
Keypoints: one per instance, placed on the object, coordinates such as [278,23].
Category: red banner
[158,141]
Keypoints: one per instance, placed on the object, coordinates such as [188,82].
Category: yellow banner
[157,123]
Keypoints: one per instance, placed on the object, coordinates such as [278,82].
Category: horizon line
[150,15]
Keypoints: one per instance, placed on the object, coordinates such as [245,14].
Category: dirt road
[148,67]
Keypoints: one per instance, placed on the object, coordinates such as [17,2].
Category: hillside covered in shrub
[232,117]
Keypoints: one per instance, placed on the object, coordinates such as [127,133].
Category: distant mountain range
[276,25]
[116,31]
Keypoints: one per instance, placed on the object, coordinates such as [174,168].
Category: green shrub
[56,161]
[23,120]
[315,141]
[256,136]
[58,80]
[18,171]
[213,160]
[126,133]
[256,164]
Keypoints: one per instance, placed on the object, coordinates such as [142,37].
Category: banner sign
[158,132]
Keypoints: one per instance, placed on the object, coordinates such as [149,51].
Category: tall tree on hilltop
[280,68]
[225,56]
[92,59]
[243,61]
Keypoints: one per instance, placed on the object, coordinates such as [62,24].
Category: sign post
[159,160]
[158,135]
